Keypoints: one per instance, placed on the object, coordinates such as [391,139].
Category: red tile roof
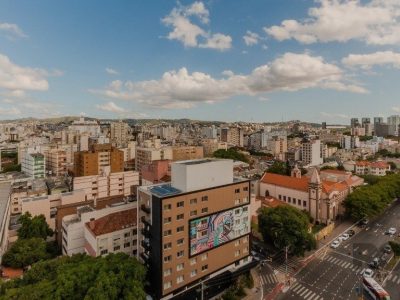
[339,172]
[363,163]
[379,165]
[113,222]
[286,181]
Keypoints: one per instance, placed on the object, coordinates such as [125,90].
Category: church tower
[315,195]
[296,172]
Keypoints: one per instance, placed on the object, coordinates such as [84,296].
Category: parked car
[335,244]
[387,249]
[345,236]
[363,222]
[374,263]
[351,232]
[391,231]
[368,273]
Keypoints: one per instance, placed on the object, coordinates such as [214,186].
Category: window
[237,253]
[179,267]
[180,216]
[284,198]
[179,279]
[126,245]
[204,268]
[298,202]
[180,228]
[167,272]
[193,213]
[304,203]
[237,243]
[237,191]
[167,246]
[245,199]
[246,188]
[167,220]
[204,256]
[180,253]
[204,198]
[237,211]
[246,249]
[245,209]
[167,285]
[280,197]
[180,242]
[237,222]
[193,261]
[180,204]
[237,201]
[193,201]
[245,239]
[193,273]
[203,222]
[289,199]
[203,233]
[167,232]
[167,206]
[167,258]
[204,210]
[104,251]
[127,234]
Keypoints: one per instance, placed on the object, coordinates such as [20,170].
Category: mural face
[218,229]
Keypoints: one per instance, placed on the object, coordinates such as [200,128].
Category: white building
[349,142]
[311,153]
[119,133]
[34,165]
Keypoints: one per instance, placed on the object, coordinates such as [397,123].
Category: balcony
[145,221]
[144,257]
[145,208]
[146,245]
[146,232]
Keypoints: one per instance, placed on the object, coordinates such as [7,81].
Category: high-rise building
[101,159]
[34,165]
[354,122]
[233,136]
[311,152]
[119,133]
[349,142]
[187,152]
[56,162]
[365,121]
[394,124]
[381,129]
[145,156]
[378,120]
[195,228]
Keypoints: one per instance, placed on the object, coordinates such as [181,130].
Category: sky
[241,60]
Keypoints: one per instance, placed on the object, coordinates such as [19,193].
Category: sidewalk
[256,292]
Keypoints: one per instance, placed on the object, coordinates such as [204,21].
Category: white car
[368,273]
[391,230]
[335,244]
[344,237]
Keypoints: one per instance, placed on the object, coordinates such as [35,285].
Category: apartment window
[179,279]
[180,242]
[203,233]
[126,245]
[193,201]
[280,197]
[116,248]
[304,203]
[237,243]
[127,234]
[246,188]
[103,252]
[203,222]
[167,246]
[167,258]
[204,256]
[167,206]
[289,199]
[167,220]
[245,209]
[204,210]
[167,285]
[193,213]
[134,242]
[180,253]
[180,228]
[246,249]
[237,253]
[180,216]
[204,198]
[298,202]
[245,199]
[204,268]
[245,239]
[237,211]
[237,191]
[193,261]
[179,267]
[237,222]
[167,232]
[180,204]
[193,273]
[284,198]
[167,272]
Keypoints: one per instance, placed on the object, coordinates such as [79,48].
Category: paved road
[335,274]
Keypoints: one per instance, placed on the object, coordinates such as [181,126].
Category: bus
[374,289]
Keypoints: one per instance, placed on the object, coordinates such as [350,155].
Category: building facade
[34,165]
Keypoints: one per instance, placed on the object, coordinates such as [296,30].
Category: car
[363,222]
[387,249]
[368,273]
[335,244]
[391,231]
[344,237]
[374,263]
[351,232]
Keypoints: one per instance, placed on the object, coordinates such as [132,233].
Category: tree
[392,165]
[33,227]
[286,226]
[25,252]
[231,153]
[395,247]
[116,276]
[278,167]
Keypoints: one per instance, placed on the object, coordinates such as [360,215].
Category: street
[336,273]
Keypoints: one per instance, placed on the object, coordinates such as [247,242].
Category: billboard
[217,229]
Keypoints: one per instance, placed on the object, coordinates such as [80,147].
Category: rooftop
[5,190]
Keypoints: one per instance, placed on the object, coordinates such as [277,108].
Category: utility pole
[286,267]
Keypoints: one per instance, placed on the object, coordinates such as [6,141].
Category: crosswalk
[304,293]
[268,279]
[293,264]
[343,264]
[395,278]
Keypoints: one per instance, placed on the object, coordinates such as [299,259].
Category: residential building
[179,222]
[187,152]
[378,120]
[92,128]
[394,124]
[101,159]
[349,142]
[377,168]
[34,165]
[277,146]
[311,152]
[157,172]
[212,145]
[56,162]
[358,131]
[382,129]
[5,192]
[233,136]
[144,155]
[354,122]
[119,132]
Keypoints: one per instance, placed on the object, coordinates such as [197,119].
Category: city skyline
[207,60]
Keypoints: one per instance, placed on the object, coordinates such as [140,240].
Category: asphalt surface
[336,273]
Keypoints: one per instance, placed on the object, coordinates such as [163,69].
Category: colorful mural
[217,229]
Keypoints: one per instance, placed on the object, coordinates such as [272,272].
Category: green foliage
[387,153]
[286,226]
[33,227]
[333,144]
[392,166]
[279,167]
[370,179]
[116,276]
[231,153]
[365,138]
[11,168]
[341,168]
[25,252]
[371,200]
[395,247]
[257,153]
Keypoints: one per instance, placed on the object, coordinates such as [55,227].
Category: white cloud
[111,107]
[111,71]
[251,38]
[376,22]
[12,111]
[190,34]
[334,115]
[14,77]
[366,61]
[396,109]
[181,89]
[12,29]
